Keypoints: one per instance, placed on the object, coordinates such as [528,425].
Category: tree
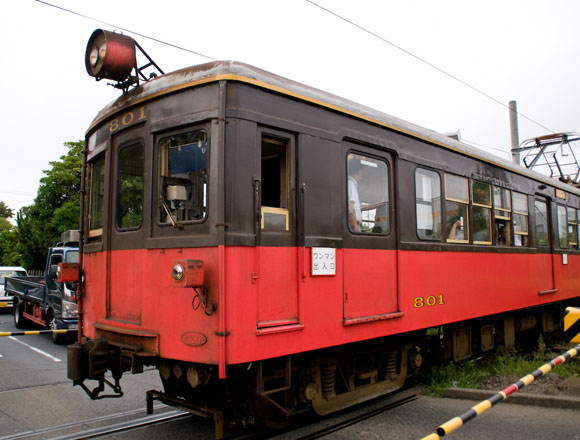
[8,239]
[5,212]
[55,209]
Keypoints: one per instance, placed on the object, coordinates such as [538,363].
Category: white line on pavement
[37,350]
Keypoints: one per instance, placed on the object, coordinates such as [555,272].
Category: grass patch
[469,374]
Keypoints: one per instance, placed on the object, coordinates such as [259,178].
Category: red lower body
[270,304]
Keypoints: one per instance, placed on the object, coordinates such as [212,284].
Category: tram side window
[368,195]
[457,207]
[183,177]
[130,186]
[428,204]
[541,214]
[275,184]
[481,212]
[503,208]
[562,227]
[520,221]
[572,228]
[96,178]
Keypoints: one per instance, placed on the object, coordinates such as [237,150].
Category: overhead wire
[127,30]
[428,63]
[350,22]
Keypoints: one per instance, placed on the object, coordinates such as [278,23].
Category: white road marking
[37,350]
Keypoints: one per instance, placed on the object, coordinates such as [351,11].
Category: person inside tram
[503,233]
[355,172]
[455,229]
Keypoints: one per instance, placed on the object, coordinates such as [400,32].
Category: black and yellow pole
[37,332]
[571,330]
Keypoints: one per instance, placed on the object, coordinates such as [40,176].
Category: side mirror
[53,271]
[67,272]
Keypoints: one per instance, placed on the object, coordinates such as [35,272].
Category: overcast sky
[523,50]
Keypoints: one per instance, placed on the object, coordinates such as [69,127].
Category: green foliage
[462,375]
[469,374]
[5,212]
[9,255]
[55,209]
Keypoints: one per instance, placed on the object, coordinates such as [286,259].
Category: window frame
[559,228]
[96,233]
[484,206]
[524,236]
[159,163]
[132,143]
[371,159]
[461,204]
[437,228]
[574,224]
[546,222]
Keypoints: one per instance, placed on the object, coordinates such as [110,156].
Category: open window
[502,216]
[457,207]
[275,184]
[183,178]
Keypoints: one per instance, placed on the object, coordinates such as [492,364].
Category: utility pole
[513,106]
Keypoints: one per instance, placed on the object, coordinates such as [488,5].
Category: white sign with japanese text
[323,261]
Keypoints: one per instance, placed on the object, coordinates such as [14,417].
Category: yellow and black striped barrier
[38,332]
[572,325]
[481,407]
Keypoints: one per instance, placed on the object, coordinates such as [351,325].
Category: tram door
[276,276]
[369,254]
[542,234]
[126,228]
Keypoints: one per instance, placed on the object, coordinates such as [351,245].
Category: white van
[9,271]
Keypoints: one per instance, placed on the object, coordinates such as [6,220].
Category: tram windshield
[183,167]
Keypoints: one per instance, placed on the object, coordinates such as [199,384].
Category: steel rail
[125,426]
[358,418]
[55,429]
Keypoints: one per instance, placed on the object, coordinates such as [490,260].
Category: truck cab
[43,300]
[61,298]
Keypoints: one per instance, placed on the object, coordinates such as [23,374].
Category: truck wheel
[19,320]
[56,337]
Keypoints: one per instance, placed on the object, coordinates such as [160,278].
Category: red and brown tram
[273,249]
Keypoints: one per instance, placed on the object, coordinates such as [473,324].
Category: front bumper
[6,302]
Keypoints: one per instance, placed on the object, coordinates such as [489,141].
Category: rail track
[74,430]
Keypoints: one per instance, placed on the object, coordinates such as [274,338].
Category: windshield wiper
[174,222]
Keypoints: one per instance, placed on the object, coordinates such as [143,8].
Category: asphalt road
[35,395]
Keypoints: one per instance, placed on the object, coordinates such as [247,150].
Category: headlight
[177,272]
[69,310]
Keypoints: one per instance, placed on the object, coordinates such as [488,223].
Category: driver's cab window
[183,178]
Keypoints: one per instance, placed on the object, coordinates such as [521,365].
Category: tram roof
[245,73]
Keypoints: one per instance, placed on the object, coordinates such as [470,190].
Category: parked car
[9,271]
